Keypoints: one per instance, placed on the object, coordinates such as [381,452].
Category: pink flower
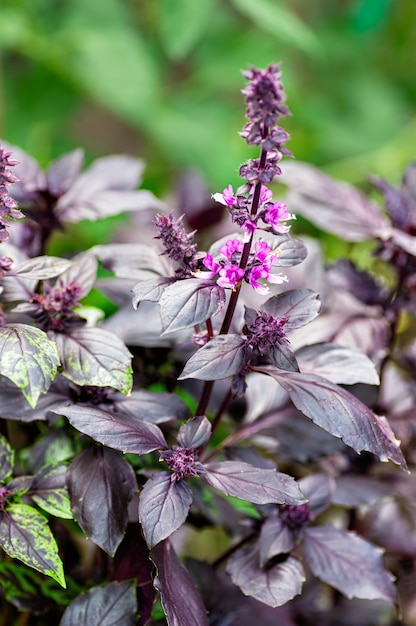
[231,246]
[229,276]
[262,251]
[249,226]
[226,197]
[265,195]
[210,264]
[276,215]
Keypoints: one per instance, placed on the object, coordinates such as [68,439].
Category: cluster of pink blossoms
[274,215]
[257,272]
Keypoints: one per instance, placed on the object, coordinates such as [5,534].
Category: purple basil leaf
[41,268]
[120,432]
[152,407]
[319,489]
[195,433]
[14,406]
[92,356]
[395,203]
[334,206]
[275,538]
[6,459]
[131,261]
[222,356]
[248,454]
[339,364]
[348,563]
[117,290]
[29,359]
[62,172]
[299,306]
[291,252]
[132,561]
[31,178]
[101,484]
[48,489]
[163,506]
[189,302]
[273,586]
[340,413]
[25,535]
[83,272]
[55,446]
[113,604]
[357,490]
[253,484]
[181,600]
[151,289]
[283,357]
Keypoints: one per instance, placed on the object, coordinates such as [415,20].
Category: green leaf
[6,459]
[50,492]
[183,23]
[92,356]
[29,359]
[25,535]
[271,17]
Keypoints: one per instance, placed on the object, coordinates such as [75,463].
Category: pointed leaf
[275,538]
[181,600]
[340,413]
[92,356]
[195,433]
[29,359]
[49,491]
[339,364]
[25,535]
[348,563]
[152,407]
[113,604]
[273,586]
[253,484]
[83,272]
[151,289]
[319,489]
[283,357]
[129,260]
[41,268]
[120,432]
[189,302]
[62,172]
[163,506]
[101,484]
[298,306]
[6,459]
[291,252]
[222,356]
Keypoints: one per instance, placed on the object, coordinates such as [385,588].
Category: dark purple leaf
[117,290]
[275,538]
[273,586]
[29,359]
[120,432]
[132,261]
[298,306]
[395,203]
[348,563]
[152,407]
[93,356]
[132,561]
[62,172]
[283,357]
[392,524]
[14,406]
[55,446]
[253,484]
[334,206]
[339,364]
[190,302]
[151,289]
[83,272]
[291,252]
[319,489]
[41,268]
[113,604]
[222,356]
[25,535]
[48,489]
[6,459]
[181,600]
[248,454]
[101,484]
[195,433]
[357,490]
[163,506]
[340,413]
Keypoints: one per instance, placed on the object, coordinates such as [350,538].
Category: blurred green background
[161,79]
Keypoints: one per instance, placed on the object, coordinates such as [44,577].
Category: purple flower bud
[183,462]
[295,517]
[178,244]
